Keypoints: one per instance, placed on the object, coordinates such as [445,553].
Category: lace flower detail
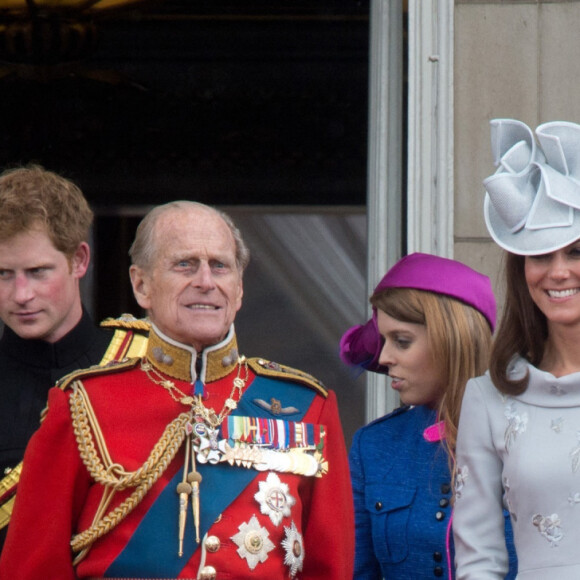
[460,477]
[517,423]
[575,454]
[557,425]
[508,505]
[549,528]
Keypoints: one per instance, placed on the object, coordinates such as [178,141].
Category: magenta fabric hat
[443,276]
[361,345]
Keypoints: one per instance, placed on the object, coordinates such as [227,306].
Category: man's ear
[79,263]
[141,286]
[240,295]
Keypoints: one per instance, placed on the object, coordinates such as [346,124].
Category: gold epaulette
[271,369]
[129,339]
[128,344]
[7,494]
[127,321]
[97,370]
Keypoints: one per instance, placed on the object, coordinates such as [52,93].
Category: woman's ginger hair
[458,336]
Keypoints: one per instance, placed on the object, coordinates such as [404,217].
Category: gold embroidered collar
[178,360]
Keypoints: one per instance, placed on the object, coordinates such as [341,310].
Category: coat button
[438,571]
[437,556]
[379,506]
[445,488]
[212,544]
[207,573]
[439,516]
[443,502]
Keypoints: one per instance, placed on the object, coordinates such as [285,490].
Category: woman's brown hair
[522,331]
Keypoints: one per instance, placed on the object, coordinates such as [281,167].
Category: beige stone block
[557,1]
[487,258]
[503,1]
[495,75]
[559,62]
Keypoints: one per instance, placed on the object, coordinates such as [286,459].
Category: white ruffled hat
[532,204]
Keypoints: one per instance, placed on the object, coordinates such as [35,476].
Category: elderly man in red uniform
[193,461]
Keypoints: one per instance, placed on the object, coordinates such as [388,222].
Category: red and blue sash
[152,550]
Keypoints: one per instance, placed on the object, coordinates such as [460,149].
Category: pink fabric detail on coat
[435,432]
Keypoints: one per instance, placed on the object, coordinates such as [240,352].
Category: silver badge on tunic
[293,544]
[209,448]
[274,498]
[253,542]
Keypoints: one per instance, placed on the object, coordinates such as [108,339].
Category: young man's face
[39,287]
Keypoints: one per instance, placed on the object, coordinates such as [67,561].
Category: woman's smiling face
[554,284]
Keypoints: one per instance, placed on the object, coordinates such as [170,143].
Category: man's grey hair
[143,249]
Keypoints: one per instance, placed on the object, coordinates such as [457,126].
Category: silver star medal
[294,546]
[274,498]
[253,542]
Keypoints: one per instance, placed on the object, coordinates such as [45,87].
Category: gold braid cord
[112,475]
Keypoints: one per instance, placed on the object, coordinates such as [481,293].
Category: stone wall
[518,59]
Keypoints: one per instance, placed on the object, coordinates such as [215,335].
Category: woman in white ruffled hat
[518,443]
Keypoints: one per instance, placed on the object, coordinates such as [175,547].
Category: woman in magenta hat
[430,332]
[518,443]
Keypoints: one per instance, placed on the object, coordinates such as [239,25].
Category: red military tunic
[31,367]
[272,523]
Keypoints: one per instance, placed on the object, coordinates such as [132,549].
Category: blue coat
[402,498]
